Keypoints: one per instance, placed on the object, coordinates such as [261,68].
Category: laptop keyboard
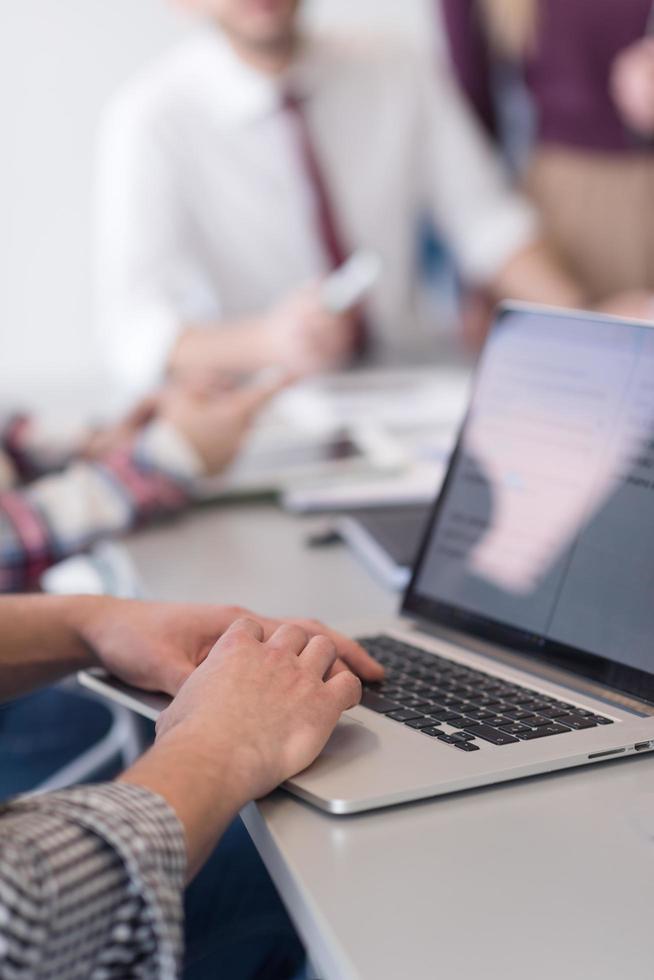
[461,706]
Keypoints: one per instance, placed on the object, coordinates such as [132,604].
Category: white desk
[546,879]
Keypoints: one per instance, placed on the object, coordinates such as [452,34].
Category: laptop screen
[543,535]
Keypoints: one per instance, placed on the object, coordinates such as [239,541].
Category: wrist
[83,615]
[166,445]
[200,783]
[211,760]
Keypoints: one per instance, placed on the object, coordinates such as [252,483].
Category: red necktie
[328,229]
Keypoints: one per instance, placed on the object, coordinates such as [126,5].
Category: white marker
[347,286]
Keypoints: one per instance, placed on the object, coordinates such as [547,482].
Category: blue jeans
[42,733]
[236,925]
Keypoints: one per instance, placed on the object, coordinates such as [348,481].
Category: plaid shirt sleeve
[33,446]
[64,513]
[91,883]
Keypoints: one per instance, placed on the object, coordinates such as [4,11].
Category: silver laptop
[525,642]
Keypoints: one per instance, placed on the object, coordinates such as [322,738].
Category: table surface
[551,877]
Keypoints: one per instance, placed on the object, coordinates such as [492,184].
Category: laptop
[525,641]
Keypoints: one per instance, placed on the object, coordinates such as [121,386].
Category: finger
[243,625]
[357,659]
[345,689]
[360,661]
[337,668]
[290,638]
[319,655]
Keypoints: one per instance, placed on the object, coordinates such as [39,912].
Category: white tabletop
[551,877]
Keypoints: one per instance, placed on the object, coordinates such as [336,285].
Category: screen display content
[545,525]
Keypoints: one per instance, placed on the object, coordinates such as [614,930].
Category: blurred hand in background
[215,423]
[304,336]
[209,412]
[632,86]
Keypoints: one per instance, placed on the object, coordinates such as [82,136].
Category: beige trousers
[598,214]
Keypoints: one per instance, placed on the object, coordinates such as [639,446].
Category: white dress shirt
[206,212]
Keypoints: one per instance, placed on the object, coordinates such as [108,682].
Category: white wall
[59,61]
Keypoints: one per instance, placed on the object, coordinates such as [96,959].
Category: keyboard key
[576,722]
[518,714]
[422,723]
[495,688]
[497,721]
[554,712]
[378,703]
[514,697]
[601,720]
[449,717]
[492,735]
[438,693]
[448,700]
[448,739]
[539,706]
[407,714]
[552,729]
[390,692]
[514,728]
[462,737]
[436,698]
[466,746]
[464,723]
[432,732]
[479,714]
[414,703]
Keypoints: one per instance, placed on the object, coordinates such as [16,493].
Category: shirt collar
[237,94]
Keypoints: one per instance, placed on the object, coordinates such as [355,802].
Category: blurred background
[59,64]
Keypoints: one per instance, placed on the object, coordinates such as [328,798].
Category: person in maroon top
[588,69]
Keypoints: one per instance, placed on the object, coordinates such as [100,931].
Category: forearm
[200,782]
[67,512]
[230,347]
[534,275]
[43,639]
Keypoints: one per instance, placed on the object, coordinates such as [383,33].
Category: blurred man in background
[244,167]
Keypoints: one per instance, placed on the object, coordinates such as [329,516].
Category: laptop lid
[542,537]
